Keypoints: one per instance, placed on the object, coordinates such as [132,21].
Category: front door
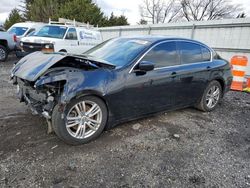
[152,91]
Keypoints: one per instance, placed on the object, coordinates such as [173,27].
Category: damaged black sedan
[119,80]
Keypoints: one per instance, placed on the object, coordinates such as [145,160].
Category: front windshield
[118,52]
[51,31]
[18,31]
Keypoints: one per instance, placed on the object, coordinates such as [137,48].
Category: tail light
[15,38]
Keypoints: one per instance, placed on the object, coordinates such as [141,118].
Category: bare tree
[159,11]
[208,9]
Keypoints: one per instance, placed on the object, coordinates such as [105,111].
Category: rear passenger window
[206,54]
[163,55]
[190,52]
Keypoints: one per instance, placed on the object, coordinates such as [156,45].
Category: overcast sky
[127,7]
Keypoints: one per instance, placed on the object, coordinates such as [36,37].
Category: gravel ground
[184,148]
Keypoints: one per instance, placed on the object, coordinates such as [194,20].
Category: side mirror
[146,66]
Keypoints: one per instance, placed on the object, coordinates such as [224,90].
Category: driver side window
[71,35]
[163,55]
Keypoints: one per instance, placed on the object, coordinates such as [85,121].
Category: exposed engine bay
[56,85]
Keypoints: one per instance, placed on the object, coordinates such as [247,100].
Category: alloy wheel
[83,119]
[212,97]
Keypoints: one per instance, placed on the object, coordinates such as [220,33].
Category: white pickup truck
[7,44]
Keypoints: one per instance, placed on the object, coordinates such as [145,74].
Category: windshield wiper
[87,62]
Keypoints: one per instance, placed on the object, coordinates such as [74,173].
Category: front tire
[211,97]
[3,53]
[84,120]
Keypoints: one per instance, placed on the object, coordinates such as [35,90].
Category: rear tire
[3,53]
[211,97]
[80,124]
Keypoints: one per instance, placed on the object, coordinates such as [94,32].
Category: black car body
[145,75]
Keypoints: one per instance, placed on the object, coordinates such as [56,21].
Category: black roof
[159,38]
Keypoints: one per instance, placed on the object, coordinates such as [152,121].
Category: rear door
[193,74]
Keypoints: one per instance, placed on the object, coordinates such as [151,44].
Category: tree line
[81,10]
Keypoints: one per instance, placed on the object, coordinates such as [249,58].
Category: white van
[58,37]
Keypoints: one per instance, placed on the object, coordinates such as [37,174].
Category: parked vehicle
[7,44]
[120,80]
[25,28]
[61,37]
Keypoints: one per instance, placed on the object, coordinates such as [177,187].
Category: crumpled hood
[34,65]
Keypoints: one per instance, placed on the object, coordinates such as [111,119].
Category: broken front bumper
[39,102]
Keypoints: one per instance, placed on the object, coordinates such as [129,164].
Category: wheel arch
[222,83]
[4,43]
[92,93]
